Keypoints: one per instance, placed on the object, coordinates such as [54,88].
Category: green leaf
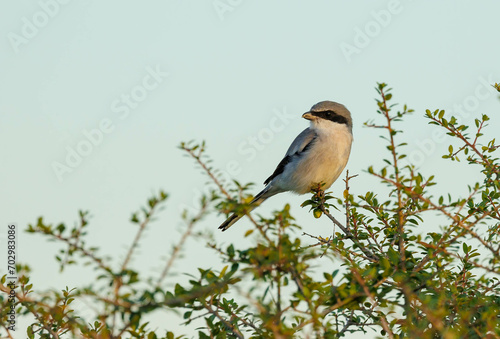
[223,271]
[230,250]
[393,256]
[399,277]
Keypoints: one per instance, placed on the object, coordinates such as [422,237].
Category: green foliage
[409,264]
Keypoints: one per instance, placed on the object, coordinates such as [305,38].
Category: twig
[401,221]
[178,247]
[372,257]
[359,279]
[347,324]
[206,169]
[83,251]
[138,236]
[231,327]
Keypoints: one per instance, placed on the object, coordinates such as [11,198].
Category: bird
[318,155]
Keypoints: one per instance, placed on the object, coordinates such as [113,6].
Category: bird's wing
[302,142]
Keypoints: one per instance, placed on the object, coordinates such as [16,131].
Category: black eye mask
[331,115]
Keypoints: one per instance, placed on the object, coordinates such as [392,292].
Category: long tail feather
[259,199]
[230,221]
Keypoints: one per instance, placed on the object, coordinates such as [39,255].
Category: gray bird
[317,155]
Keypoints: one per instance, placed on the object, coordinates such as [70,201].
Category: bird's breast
[325,161]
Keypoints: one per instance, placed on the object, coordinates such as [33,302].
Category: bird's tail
[259,199]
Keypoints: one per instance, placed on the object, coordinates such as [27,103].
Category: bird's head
[331,111]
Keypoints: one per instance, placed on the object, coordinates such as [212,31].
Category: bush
[394,279]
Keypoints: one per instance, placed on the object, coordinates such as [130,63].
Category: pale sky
[235,73]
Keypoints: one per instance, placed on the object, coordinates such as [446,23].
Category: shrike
[317,155]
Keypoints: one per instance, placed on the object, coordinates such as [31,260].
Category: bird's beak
[308,116]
